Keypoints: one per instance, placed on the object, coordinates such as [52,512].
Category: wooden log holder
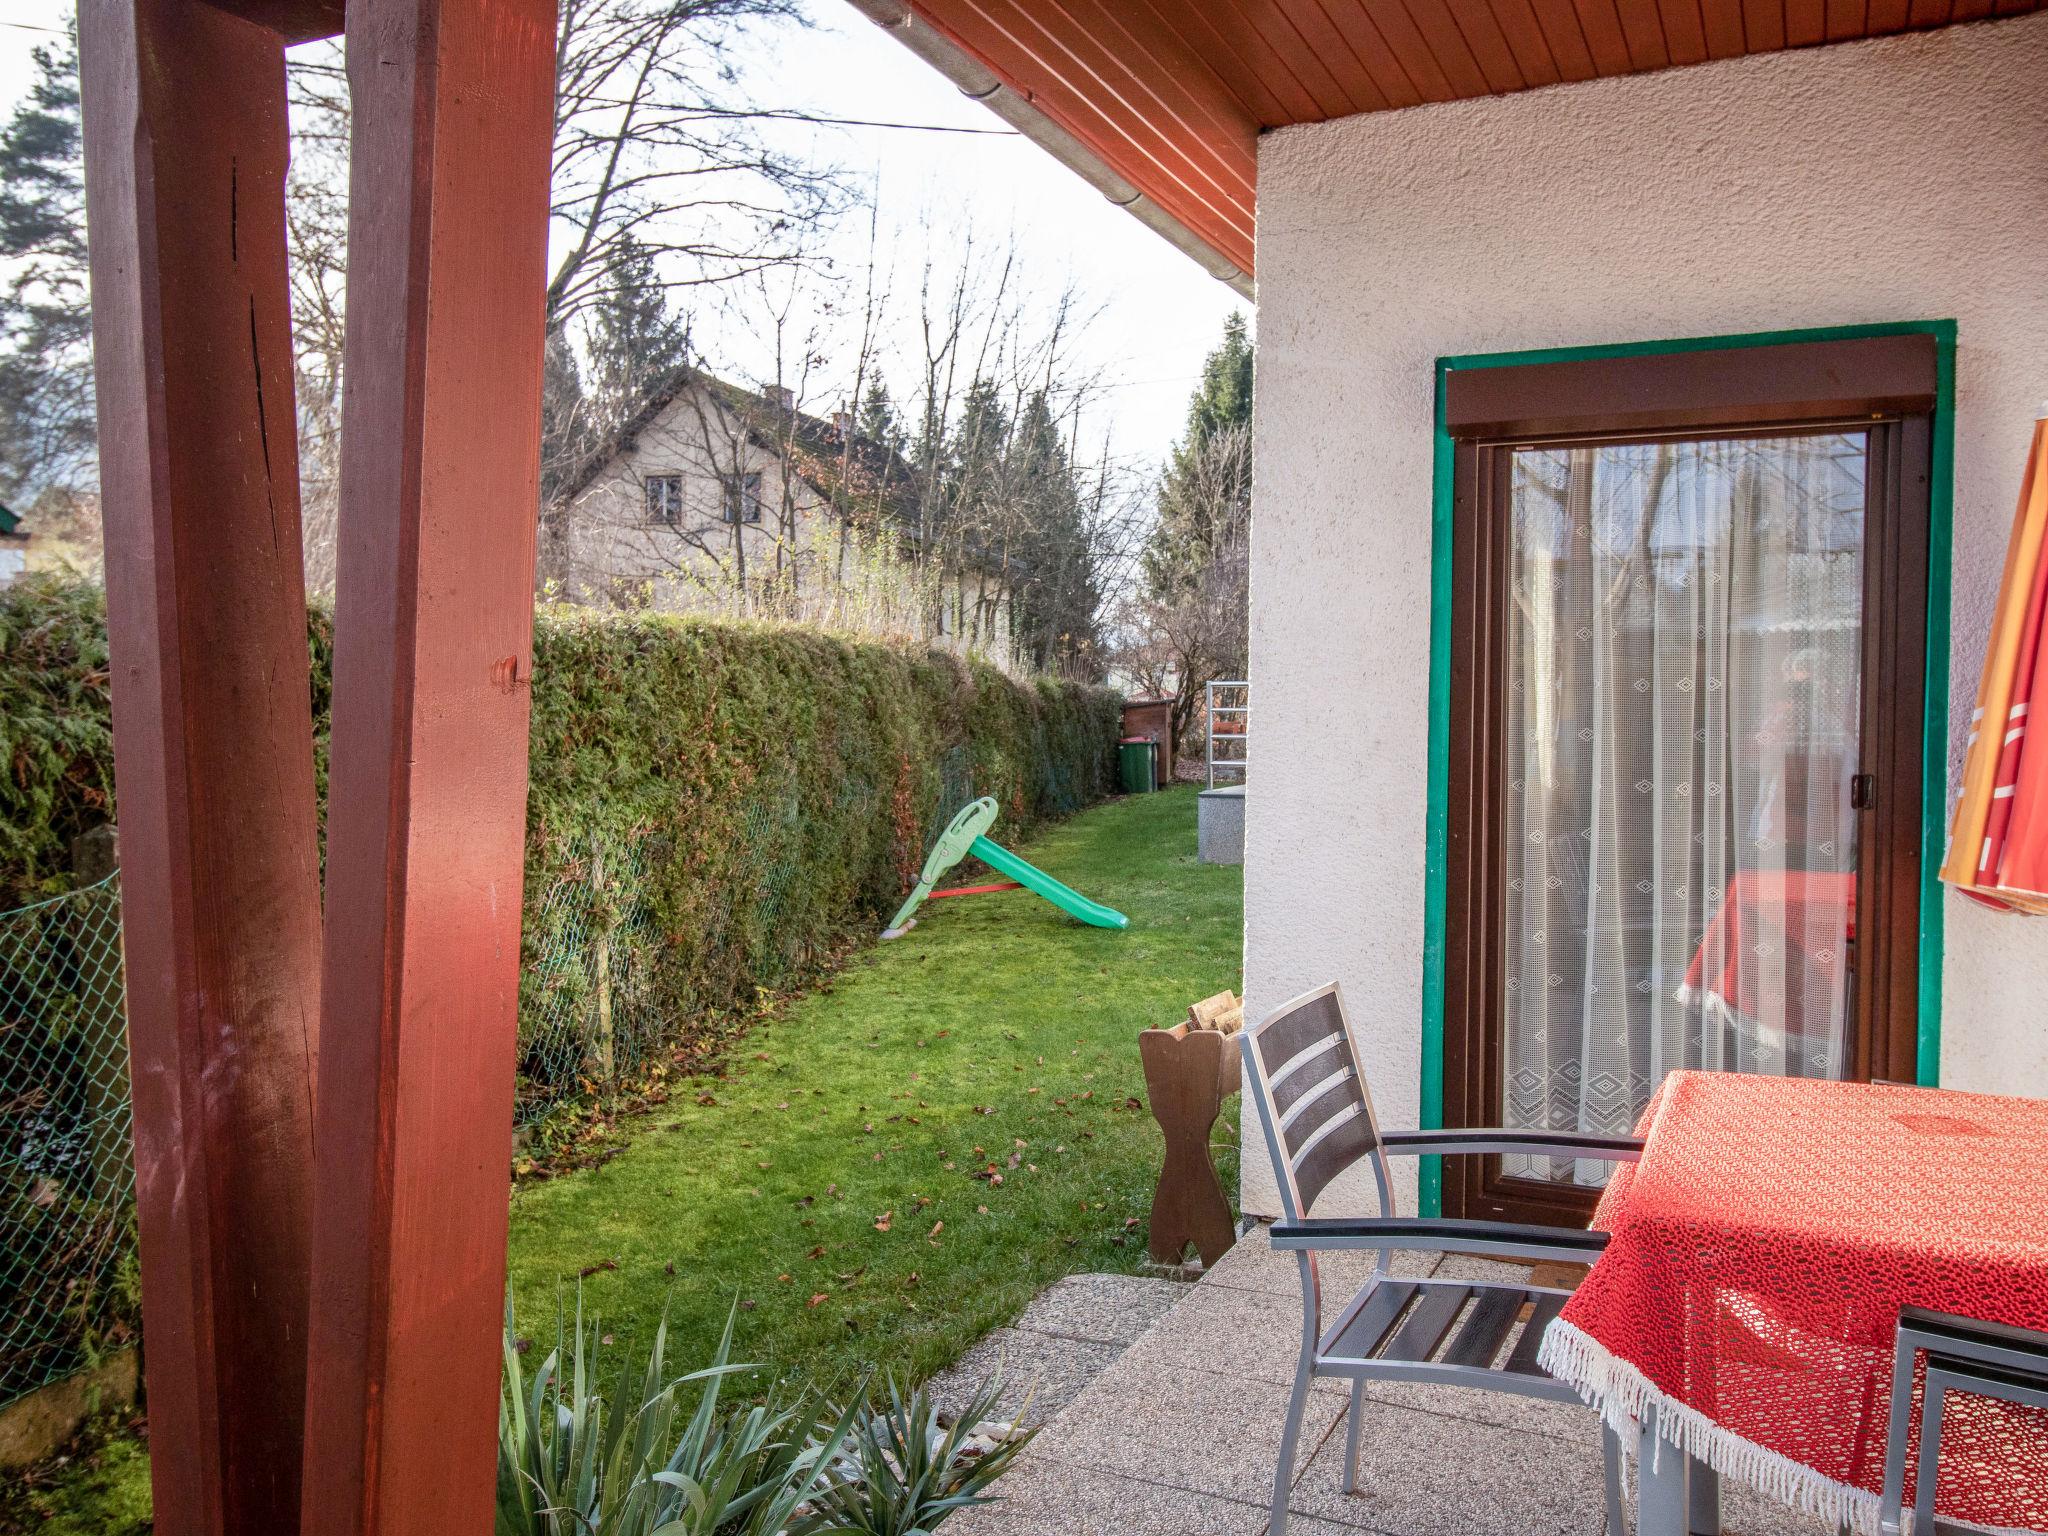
[1189,1072]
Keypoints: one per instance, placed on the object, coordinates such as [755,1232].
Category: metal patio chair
[1309,1084]
[1963,1355]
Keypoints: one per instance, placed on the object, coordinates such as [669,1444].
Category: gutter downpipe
[976,83]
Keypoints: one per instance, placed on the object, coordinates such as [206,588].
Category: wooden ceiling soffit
[1201,209]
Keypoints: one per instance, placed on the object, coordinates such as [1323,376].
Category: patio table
[1742,1318]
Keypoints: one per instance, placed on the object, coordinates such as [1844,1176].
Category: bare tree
[660,166]
[1172,639]
[655,143]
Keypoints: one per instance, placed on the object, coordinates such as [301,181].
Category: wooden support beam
[427,786]
[184,115]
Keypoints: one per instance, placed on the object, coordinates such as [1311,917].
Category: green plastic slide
[966,834]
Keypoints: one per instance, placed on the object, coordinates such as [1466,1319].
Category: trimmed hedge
[728,804]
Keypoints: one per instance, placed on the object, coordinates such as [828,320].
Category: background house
[717,499]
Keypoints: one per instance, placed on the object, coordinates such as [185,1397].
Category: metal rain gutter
[977,84]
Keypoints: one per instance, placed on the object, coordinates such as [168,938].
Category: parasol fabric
[1998,844]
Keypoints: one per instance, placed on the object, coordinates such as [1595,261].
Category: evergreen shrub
[727,804]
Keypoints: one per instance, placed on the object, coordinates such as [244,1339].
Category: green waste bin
[1138,764]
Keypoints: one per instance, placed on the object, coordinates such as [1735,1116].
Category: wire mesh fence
[592,1015]
[67,1179]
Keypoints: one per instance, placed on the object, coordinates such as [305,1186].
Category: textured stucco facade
[1904,179]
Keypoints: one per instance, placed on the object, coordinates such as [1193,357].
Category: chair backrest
[1312,1099]
[1979,1359]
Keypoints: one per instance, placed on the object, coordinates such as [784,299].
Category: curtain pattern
[1683,663]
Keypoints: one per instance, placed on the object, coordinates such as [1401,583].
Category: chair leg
[1283,1475]
[1610,1456]
[1351,1436]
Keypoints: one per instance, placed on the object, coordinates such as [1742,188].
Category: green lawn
[839,1186]
[838,1181]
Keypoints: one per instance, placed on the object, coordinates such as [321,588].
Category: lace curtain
[1683,665]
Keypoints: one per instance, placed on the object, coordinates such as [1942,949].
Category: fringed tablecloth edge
[1624,1397]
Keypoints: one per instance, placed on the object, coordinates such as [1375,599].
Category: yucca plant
[900,1473]
[576,1461]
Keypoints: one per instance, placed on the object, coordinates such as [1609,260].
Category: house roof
[852,471]
[1160,103]
[10,525]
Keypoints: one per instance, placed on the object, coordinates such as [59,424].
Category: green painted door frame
[1934,729]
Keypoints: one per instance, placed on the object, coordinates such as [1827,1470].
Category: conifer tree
[1057,595]
[877,421]
[46,395]
[1205,498]
[637,340]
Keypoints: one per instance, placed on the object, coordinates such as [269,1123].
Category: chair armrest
[1605,1149]
[1430,1234]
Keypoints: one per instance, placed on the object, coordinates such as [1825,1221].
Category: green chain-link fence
[66,1176]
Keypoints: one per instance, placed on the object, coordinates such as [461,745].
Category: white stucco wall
[1902,179]
[603,547]
[604,537]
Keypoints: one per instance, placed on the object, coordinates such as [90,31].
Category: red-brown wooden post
[213,738]
[453,104]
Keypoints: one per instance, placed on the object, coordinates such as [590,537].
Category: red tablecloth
[1760,1253]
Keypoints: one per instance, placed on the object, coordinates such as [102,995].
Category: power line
[863,122]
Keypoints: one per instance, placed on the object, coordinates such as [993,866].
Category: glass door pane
[1684,668]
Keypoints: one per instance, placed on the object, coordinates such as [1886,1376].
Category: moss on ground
[841,1180]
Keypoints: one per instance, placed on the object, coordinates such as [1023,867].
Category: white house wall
[1903,179]
[607,539]
[603,547]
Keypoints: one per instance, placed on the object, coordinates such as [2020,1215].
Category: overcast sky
[1158,312]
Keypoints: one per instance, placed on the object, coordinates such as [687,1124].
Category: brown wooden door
[1689,623]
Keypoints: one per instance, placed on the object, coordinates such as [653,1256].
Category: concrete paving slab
[1178,1434]
[1746,1512]
[1107,1309]
[1252,1265]
[1421,1474]
[1046,1369]
[1050,1499]
[1258,1334]
[1211,1434]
